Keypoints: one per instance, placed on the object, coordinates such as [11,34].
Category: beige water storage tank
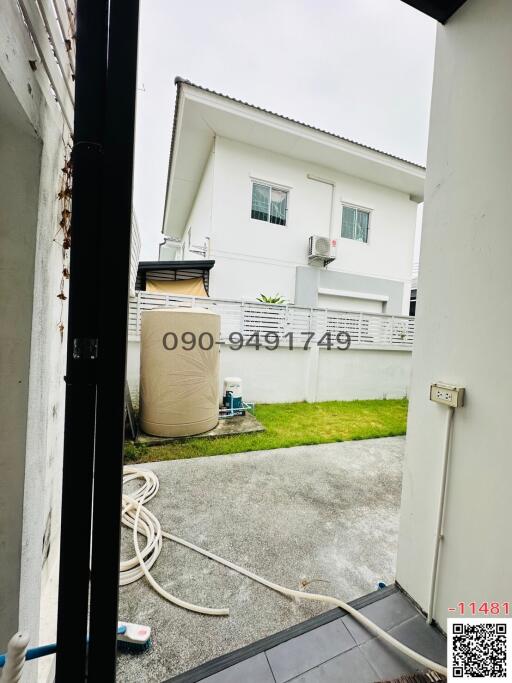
[179,371]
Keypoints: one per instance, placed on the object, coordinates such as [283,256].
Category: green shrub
[275,299]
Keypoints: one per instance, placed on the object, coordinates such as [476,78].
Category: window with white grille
[355,223]
[269,203]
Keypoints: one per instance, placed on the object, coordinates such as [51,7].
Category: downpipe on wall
[440,514]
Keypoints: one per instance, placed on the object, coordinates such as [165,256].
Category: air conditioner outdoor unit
[321,250]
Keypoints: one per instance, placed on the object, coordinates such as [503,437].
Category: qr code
[477,649]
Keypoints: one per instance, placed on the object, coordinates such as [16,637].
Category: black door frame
[105,89]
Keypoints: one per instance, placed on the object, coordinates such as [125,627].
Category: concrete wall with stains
[32,349]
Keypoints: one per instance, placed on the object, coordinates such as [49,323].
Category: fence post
[137,315]
[313,356]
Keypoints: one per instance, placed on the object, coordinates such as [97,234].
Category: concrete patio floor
[324,517]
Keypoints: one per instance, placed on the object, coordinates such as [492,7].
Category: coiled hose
[137,517]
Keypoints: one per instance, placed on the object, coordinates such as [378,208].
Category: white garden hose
[137,517]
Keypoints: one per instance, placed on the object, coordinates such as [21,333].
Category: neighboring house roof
[202,114]
[179,80]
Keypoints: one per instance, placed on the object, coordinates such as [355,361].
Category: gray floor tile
[414,633]
[309,650]
[253,670]
[386,613]
[349,667]
[418,635]
[387,661]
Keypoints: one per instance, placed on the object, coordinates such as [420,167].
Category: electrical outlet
[447,394]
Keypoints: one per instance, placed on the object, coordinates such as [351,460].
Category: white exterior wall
[463,324]
[20,154]
[199,224]
[31,264]
[254,256]
[284,376]
[346,303]
[45,424]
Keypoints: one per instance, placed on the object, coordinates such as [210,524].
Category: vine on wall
[63,235]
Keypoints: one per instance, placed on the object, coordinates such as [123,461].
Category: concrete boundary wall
[285,375]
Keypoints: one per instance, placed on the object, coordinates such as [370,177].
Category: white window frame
[359,207]
[272,185]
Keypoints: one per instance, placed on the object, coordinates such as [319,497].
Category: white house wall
[347,303]
[463,323]
[199,222]
[246,277]
[31,270]
[253,256]
[20,155]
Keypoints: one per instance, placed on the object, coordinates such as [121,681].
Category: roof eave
[441,10]
[177,108]
[194,93]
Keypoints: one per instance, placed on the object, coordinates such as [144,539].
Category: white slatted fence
[135,245]
[366,330]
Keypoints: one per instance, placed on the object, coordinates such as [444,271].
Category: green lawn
[293,424]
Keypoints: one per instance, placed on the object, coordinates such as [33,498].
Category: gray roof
[179,81]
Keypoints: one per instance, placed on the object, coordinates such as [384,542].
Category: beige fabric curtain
[192,287]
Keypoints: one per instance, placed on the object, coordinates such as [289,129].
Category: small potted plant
[276,299]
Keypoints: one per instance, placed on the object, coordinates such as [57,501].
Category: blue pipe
[43,650]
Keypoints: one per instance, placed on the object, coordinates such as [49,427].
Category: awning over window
[191,287]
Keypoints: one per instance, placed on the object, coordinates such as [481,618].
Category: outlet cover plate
[447,394]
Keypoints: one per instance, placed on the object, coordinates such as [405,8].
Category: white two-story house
[249,188]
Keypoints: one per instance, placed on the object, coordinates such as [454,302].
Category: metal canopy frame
[441,10]
[173,270]
[106,65]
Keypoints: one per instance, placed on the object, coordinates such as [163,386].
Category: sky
[358,68]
